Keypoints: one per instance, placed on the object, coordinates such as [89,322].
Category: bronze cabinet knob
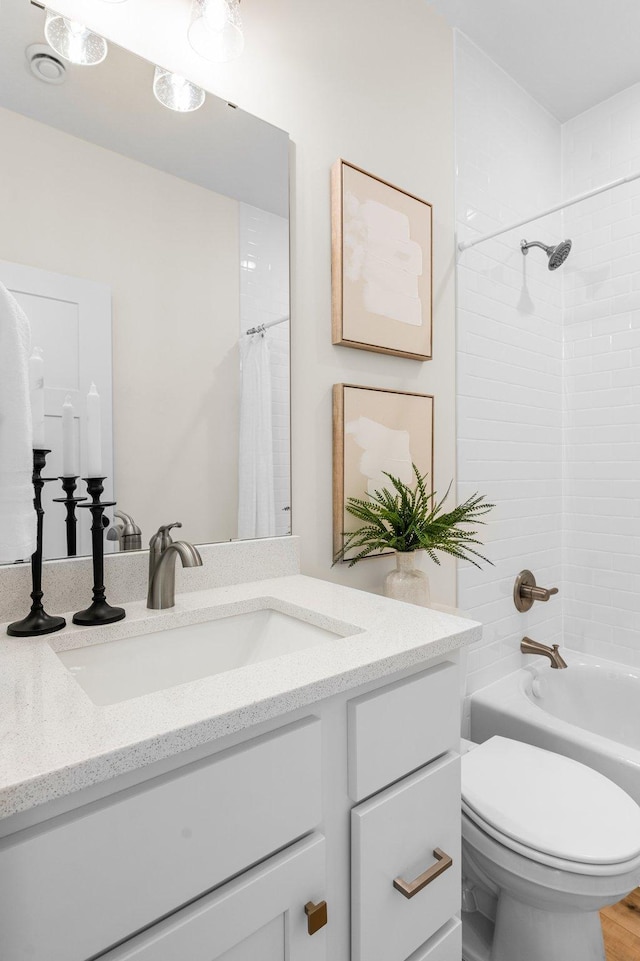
[316,915]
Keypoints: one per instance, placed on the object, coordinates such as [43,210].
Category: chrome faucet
[529,646]
[162,566]
[126,532]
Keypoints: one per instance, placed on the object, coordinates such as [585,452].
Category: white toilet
[546,843]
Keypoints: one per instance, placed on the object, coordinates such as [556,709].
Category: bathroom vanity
[279,809]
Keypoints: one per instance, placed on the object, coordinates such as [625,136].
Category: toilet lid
[549,803]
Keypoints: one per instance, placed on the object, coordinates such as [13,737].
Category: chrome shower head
[557,255]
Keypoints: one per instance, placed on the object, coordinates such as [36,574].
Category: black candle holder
[99,611]
[37,620]
[68,486]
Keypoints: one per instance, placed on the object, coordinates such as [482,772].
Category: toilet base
[477,937]
[530,934]
[540,912]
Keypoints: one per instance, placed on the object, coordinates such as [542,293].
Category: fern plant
[405,519]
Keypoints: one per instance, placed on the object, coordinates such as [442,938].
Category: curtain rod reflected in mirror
[142,247]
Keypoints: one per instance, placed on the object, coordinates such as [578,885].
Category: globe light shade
[73,41]
[215,30]
[176,92]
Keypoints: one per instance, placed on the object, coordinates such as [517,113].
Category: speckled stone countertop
[54,740]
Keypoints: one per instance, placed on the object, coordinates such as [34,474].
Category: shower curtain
[256,503]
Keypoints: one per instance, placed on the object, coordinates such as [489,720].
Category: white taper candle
[36,388]
[69,456]
[94,434]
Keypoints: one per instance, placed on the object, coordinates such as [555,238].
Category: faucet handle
[526,591]
[537,593]
[161,540]
[167,527]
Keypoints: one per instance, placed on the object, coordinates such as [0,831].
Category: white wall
[371,81]
[509,356]
[602,349]
[169,251]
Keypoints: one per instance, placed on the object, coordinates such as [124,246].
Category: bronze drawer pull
[316,915]
[409,888]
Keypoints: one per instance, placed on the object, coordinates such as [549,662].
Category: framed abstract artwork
[381,260]
[375,431]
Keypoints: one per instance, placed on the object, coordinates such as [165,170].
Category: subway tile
[527,367]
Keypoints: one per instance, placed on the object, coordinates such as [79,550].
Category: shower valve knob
[526,591]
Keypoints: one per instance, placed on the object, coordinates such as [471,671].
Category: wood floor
[621,929]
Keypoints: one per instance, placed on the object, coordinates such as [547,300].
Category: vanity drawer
[397,730]
[393,837]
[78,884]
[445,945]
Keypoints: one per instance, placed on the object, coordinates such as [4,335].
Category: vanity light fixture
[73,41]
[215,31]
[176,92]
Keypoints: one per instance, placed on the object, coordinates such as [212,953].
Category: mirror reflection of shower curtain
[256,504]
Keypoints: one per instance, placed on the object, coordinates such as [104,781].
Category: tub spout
[529,646]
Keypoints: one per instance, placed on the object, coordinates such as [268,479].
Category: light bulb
[73,41]
[176,92]
[216,14]
[77,41]
[215,31]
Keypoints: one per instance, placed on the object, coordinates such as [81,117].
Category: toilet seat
[547,860]
[550,808]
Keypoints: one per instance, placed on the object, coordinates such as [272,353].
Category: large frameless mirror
[144,244]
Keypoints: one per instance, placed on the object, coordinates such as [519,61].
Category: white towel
[17,516]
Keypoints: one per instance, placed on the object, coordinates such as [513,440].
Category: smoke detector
[45,64]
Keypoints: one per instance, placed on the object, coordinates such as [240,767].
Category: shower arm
[525,244]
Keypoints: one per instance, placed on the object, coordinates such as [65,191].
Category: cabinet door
[79,883]
[258,917]
[394,838]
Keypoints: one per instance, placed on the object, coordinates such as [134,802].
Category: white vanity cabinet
[405,839]
[215,859]
[78,883]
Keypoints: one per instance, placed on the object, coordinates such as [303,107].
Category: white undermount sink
[117,670]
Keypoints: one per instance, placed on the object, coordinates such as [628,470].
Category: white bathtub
[590,712]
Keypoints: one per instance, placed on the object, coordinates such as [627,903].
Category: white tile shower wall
[509,328]
[602,368]
[264,296]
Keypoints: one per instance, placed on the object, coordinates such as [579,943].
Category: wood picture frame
[376,430]
[381,265]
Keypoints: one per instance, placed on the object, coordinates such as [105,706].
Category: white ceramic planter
[407,582]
